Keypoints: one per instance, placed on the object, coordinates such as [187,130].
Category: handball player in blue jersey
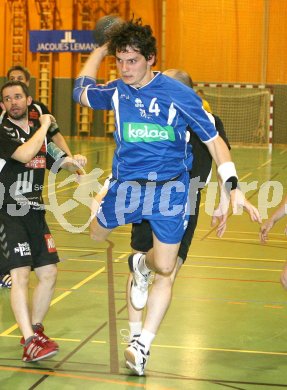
[152,160]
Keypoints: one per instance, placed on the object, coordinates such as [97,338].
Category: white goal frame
[203,86]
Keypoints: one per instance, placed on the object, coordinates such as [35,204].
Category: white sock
[142,266]
[135,329]
[146,338]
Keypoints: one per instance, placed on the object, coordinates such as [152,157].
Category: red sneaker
[37,350]
[41,336]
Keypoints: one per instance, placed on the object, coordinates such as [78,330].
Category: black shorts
[25,241]
[142,240]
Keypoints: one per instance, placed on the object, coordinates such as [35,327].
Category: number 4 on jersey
[153,107]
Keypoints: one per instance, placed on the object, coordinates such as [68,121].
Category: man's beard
[18,117]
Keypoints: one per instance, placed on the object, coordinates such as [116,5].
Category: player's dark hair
[21,69]
[135,35]
[13,83]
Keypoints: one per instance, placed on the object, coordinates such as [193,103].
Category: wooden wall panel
[2,37]
[277,43]
[63,61]
[228,41]
[215,41]
[151,13]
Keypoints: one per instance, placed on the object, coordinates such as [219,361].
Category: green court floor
[226,327]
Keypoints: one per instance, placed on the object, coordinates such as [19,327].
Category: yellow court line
[266,163]
[235,258]
[238,268]
[241,239]
[221,350]
[244,177]
[54,338]
[194,257]
[59,298]
[199,230]
[86,260]
[242,232]
[120,257]
[80,250]
[88,279]
[215,349]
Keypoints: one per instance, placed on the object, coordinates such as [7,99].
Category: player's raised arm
[89,70]
[25,152]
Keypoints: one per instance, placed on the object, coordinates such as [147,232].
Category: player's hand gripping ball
[104,26]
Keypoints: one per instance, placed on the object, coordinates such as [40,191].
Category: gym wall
[227,41]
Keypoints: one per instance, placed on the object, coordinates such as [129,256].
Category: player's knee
[52,273]
[165,269]
[49,276]
[166,281]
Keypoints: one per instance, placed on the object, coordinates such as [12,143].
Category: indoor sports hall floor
[226,327]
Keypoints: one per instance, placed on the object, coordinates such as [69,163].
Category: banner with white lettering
[56,41]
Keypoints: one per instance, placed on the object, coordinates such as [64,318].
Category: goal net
[246,112]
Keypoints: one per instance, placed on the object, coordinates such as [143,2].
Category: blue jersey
[151,124]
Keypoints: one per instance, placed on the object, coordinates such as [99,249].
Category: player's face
[18,75]
[133,68]
[15,102]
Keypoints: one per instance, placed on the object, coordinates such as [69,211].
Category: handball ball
[103,26]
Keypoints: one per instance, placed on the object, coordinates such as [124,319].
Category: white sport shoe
[136,358]
[139,284]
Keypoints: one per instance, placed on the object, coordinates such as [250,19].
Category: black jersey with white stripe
[21,184]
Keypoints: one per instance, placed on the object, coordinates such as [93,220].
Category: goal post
[245,110]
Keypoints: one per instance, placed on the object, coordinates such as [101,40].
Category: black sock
[27,341]
[36,326]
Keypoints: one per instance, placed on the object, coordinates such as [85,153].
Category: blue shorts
[163,204]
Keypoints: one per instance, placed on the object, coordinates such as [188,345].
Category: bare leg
[44,291]
[162,257]
[159,299]
[20,299]
[158,303]
[97,232]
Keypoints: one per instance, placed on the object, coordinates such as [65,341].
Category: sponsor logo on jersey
[33,114]
[145,132]
[23,248]
[50,243]
[138,103]
[37,162]
[124,96]
[43,148]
